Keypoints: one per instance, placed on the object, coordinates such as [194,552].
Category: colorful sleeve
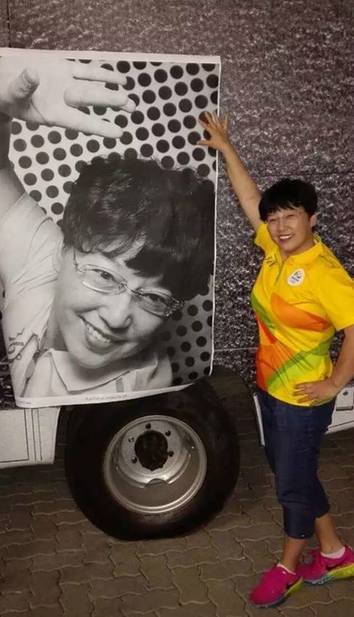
[263,239]
[336,294]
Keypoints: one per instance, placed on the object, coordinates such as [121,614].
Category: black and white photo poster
[107,223]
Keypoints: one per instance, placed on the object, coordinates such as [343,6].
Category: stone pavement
[54,563]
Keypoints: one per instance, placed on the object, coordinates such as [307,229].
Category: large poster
[107,247]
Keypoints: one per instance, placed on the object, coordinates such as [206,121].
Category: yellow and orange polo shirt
[299,304]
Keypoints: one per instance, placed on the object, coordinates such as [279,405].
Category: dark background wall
[287,84]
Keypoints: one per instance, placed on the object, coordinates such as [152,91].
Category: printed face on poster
[107,252]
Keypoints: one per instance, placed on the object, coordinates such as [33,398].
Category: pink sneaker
[275,586]
[323,569]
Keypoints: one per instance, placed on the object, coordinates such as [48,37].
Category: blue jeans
[292,435]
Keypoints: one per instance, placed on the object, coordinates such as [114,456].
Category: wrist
[228,150]
[335,383]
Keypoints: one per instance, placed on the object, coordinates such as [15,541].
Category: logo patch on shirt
[296,278]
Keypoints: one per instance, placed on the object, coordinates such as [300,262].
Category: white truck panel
[28,436]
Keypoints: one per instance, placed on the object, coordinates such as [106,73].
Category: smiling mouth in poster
[107,223]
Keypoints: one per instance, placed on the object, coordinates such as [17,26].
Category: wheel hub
[151,449]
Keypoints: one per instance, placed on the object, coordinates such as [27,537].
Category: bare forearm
[10,186]
[245,188]
[343,371]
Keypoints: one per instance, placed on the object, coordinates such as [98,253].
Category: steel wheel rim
[173,484]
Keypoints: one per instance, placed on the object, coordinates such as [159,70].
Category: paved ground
[55,563]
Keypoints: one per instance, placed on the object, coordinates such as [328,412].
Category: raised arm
[243,184]
[50,91]
[10,186]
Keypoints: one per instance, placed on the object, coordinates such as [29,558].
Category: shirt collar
[309,255]
[76,379]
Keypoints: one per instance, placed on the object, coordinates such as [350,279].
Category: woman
[301,297]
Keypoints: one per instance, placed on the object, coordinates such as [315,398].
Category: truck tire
[152,467]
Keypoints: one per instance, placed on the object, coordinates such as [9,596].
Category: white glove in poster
[107,223]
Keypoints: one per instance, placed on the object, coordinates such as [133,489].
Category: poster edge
[138,56]
[60,401]
[215,243]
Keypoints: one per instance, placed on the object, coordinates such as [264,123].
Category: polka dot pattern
[170,96]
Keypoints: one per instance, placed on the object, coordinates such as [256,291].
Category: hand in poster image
[85,303]
[51,91]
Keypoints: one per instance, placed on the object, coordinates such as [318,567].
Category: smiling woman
[301,296]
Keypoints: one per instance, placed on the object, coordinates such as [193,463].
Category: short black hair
[116,203]
[288,193]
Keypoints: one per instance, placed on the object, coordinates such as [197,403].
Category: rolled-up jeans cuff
[300,526]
